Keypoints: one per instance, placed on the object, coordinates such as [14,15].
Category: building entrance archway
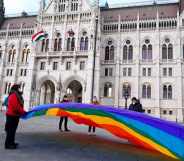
[47,92]
[74,90]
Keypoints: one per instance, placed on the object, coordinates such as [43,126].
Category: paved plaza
[40,140]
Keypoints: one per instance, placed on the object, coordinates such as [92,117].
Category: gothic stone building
[139,52]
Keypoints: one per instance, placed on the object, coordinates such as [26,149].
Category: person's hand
[24,115]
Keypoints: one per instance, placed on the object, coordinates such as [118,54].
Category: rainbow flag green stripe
[140,129]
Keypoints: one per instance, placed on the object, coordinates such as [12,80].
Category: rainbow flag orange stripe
[140,129]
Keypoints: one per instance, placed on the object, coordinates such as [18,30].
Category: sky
[17,6]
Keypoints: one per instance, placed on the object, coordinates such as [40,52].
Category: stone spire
[106,5]
[42,5]
[2,11]
[181,5]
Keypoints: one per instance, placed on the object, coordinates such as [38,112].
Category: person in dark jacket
[65,118]
[136,105]
[139,106]
[95,102]
[15,110]
[132,106]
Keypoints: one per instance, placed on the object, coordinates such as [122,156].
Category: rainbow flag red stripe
[140,129]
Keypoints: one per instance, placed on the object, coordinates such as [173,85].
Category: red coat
[14,106]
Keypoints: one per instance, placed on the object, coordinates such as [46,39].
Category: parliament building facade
[138,52]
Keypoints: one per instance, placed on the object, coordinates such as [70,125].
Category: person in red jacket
[15,110]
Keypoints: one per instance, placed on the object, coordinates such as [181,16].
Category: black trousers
[90,128]
[65,119]
[10,128]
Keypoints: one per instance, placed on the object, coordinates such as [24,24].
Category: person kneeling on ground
[15,109]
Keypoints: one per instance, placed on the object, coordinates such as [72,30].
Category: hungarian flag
[38,36]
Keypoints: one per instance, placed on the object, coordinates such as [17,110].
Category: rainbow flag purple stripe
[140,129]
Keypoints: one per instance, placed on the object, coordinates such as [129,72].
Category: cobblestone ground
[40,140]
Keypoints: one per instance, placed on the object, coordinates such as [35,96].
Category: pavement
[40,140]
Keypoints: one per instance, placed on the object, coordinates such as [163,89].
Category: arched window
[25,54]
[11,54]
[144,52]
[126,90]
[164,51]
[112,53]
[82,43]
[108,90]
[7,87]
[167,92]
[127,51]
[167,50]
[57,43]
[170,51]
[68,44]
[47,45]
[109,52]
[22,86]
[146,91]
[147,51]
[1,52]
[73,44]
[43,45]
[70,41]
[86,43]
[130,55]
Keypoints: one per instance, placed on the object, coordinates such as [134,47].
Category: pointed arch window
[70,44]
[126,90]
[84,41]
[11,54]
[108,90]
[70,41]
[1,52]
[25,54]
[57,43]
[167,92]
[109,52]
[82,44]
[127,52]
[146,91]
[147,51]
[167,50]
[45,45]
[73,44]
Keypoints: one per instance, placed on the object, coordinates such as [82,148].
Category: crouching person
[15,109]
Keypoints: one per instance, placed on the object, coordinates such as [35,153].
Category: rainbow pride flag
[140,129]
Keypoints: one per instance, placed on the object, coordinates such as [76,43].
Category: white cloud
[17,6]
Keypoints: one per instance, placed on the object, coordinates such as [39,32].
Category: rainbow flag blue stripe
[140,129]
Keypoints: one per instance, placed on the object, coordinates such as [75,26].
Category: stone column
[117,67]
[157,69]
